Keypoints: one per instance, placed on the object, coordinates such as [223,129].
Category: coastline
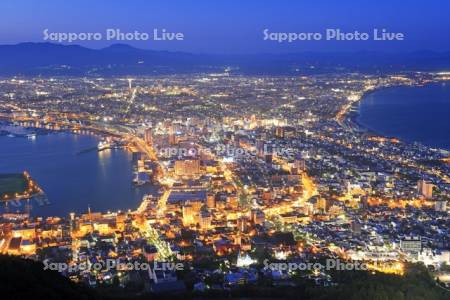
[351,115]
[350,118]
[39,206]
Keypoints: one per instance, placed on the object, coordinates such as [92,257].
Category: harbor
[101,178]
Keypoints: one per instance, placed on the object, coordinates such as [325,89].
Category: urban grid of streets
[250,168]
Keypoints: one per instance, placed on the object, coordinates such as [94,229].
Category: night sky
[233,26]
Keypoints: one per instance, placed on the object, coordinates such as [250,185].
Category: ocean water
[412,114]
[72,181]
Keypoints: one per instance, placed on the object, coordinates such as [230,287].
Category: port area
[17,186]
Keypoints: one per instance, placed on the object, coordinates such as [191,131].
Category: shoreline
[351,118]
[19,203]
[352,114]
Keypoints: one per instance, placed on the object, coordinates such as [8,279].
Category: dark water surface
[72,181]
[413,114]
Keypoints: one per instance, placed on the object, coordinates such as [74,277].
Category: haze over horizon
[131,46]
[229,28]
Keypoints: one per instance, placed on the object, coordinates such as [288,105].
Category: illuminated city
[244,185]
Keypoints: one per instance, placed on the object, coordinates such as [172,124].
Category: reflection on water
[72,180]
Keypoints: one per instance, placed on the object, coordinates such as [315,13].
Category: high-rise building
[187,168]
[260,148]
[299,164]
[440,205]
[148,138]
[279,132]
[210,200]
[232,201]
[242,224]
[321,204]
[267,197]
[412,245]
[188,215]
[172,139]
[425,188]
[205,219]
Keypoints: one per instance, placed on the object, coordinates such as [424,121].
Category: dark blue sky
[219,26]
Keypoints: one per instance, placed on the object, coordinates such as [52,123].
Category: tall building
[148,138]
[425,188]
[260,148]
[191,212]
[188,215]
[172,138]
[211,200]
[412,245]
[242,224]
[232,201]
[187,168]
[205,219]
[279,132]
[267,197]
[321,204]
[440,205]
[299,164]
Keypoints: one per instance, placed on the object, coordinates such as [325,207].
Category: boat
[102,145]
[31,136]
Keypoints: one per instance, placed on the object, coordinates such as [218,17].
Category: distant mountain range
[120,59]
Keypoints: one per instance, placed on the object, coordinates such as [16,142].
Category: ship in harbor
[103,145]
[31,136]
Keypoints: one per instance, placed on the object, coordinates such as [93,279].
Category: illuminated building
[298,165]
[172,139]
[27,247]
[190,212]
[242,224]
[148,138]
[14,246]
[440,205]
[232,201]
[188,215]
[425,189]
[244,260]
[412,245]
[205,220]
[321,204]
[279,132]
[267,197]
[24,232]
[210,200]
[187,168]
[285,132]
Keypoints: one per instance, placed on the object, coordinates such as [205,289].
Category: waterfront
[72,180]
[413,114]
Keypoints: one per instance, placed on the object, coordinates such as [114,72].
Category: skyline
[227,28]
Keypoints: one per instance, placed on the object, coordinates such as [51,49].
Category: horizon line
[230,54]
